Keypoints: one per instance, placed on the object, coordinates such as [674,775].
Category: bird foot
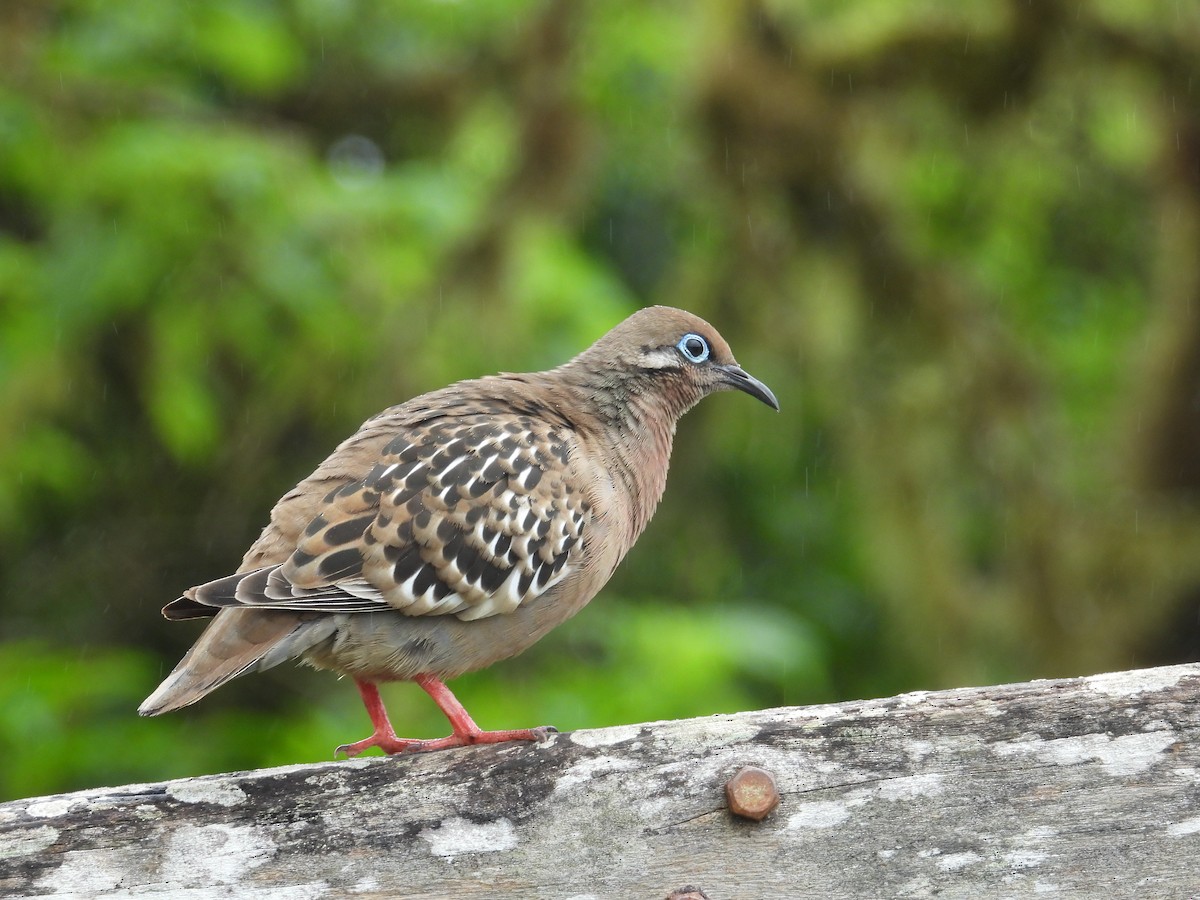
[390,744]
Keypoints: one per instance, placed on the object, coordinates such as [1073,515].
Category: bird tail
[235,642]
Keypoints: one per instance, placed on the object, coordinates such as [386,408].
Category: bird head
[677,354]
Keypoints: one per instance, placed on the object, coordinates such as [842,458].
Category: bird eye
[694,347]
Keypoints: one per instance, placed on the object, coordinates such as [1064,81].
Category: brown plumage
[456,529]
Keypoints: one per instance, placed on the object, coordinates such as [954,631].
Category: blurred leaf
[959,243]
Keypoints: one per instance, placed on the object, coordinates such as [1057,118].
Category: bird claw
[392,745]
[389,745]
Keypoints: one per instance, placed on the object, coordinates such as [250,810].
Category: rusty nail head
[752,793]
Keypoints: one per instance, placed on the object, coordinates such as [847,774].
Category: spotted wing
[469,516]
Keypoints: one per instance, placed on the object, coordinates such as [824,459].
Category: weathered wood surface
[1081,788]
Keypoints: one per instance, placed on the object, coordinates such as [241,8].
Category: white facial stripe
[659,359]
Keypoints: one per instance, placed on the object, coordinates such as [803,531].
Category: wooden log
[1077,788]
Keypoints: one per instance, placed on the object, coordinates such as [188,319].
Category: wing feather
[469,516]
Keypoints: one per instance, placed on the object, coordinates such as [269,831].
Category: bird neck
[625,397]
[633,414]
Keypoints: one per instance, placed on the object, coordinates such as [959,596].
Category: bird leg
[384,736]
[465,731]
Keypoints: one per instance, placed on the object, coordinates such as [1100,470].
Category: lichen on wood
[1063,788]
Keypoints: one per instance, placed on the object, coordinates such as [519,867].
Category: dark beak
[737,377]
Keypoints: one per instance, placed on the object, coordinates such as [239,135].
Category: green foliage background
[961,242]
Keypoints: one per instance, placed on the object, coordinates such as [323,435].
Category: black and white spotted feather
[467,515]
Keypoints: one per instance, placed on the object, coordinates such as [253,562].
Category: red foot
[390,744]
[466,732]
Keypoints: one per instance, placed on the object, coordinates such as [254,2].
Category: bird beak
[737,377]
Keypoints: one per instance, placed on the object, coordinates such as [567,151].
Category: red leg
[384,736]
[465,730]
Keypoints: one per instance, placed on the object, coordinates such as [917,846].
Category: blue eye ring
[693,347]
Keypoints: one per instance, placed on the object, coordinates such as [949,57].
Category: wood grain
[1078,788]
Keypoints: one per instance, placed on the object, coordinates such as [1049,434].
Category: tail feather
[207,600]
[235,642]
